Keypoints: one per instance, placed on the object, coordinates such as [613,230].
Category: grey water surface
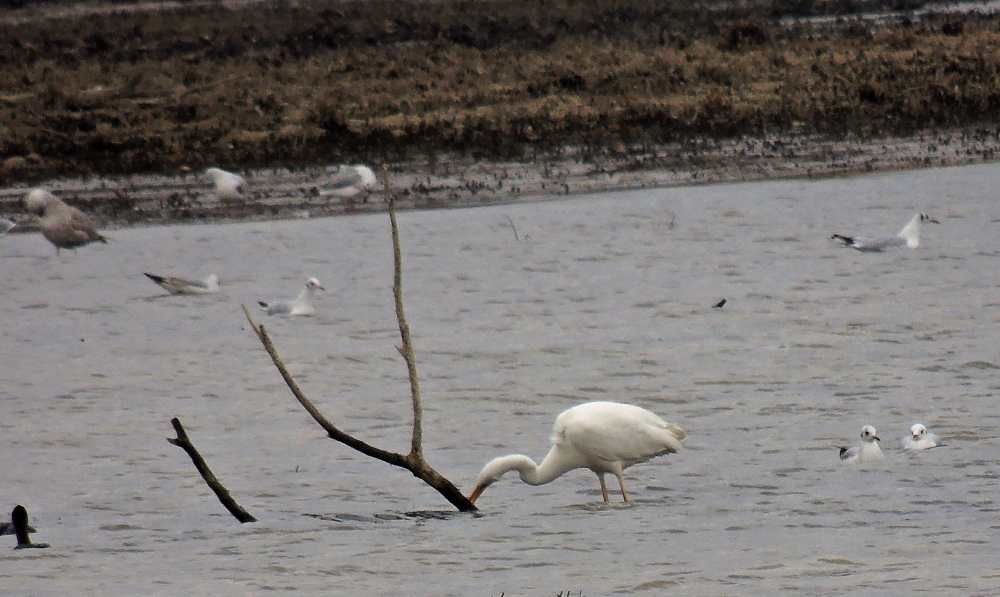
[602,297]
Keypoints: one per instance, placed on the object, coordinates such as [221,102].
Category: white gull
[909,236]
[920,439]
[302,305]
[348,181]
[228,186]
[868,451]
[175,285]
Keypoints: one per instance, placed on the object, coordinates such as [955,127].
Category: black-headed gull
[302,305]
[228,186]
[64,226]
[175,285]
[868,451]
[920,439]
[348,181]
[909,236]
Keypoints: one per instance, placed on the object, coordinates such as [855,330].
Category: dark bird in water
[19,517]
[719,304]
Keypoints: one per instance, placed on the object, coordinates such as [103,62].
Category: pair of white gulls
[869,450]
[343,181]
[301,305]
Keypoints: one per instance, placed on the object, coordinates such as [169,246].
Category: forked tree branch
[414,461]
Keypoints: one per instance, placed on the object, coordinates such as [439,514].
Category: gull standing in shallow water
[868,451]
[605,437]
[302,305]
[920,439]
[909,236]
[228,186]
[175,285]
[64,226]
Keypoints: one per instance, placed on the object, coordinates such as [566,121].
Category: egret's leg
[604,488]
[621,483]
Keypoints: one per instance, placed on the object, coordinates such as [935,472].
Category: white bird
[228,186]
[909,236]
[920,439]
[64,226]
[302,305]
[348,181]
[605,437]
[175,285]
[868,451]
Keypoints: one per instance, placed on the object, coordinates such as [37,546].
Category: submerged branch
[227,500]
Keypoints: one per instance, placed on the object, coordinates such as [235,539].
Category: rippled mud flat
[519,311]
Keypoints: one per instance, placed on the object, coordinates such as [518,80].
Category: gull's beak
[320,286]
[877,438]
[934,220]
[478,491]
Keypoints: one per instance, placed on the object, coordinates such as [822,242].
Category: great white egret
[228,186]
[605,437]
[175,285]
[909,236]
[868,451]
[920,439]
[64,226]
[302,305]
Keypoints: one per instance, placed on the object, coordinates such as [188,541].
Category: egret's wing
[613,432]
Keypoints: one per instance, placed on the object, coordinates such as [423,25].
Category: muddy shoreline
[450,182]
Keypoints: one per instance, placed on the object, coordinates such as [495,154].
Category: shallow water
[598,297]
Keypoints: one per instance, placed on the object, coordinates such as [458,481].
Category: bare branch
[416,443]
[227,500]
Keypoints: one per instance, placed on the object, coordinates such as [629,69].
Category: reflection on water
[594,298]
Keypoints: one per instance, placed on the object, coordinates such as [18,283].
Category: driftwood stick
[227,500]
[406,350]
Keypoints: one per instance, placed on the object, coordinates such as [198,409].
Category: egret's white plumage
[64,226]
[175,285]
[228,186]
[909,236]
[920,439]
[868,451]
[348,181]
[302,305]
[605,437]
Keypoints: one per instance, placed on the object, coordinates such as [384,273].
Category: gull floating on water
[920,439]
[302,305]
[348,181]
[909,236]
[64,226]
[228,186]
[175,285]
[868,451]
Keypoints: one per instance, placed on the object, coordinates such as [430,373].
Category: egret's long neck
[911,232]
[530,473]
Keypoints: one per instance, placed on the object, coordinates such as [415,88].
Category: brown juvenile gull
[175,285]
[64,226]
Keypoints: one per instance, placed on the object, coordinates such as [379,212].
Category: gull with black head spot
[868,451]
